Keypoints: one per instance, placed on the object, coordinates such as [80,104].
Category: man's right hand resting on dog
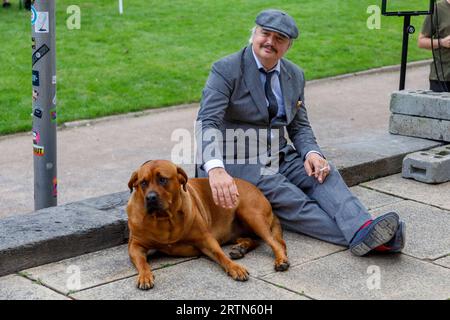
[224,190]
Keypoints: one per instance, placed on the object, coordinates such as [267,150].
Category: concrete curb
[69,230]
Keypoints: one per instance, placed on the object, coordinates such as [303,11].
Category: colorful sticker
[33,15]
[42,22]
[42,51]
[36,137]
[35,78]
[55,187]
[53,115]
[38,150]
[35,95]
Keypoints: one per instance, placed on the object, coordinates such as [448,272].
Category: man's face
[269,46]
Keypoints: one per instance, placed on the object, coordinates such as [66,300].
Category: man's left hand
[317,166]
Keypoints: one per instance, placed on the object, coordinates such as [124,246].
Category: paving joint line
[284,288]
[41,283]
[404,198]
[130,276]
[306,262]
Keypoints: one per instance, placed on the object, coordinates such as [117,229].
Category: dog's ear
[182,177]
[133,179]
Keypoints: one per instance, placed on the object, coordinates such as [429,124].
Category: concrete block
[421,127]
[430,166]
[421,103]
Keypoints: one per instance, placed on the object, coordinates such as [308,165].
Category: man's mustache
[270,47]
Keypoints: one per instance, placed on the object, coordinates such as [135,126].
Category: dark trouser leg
[439,86]
[333,196]
[297,212]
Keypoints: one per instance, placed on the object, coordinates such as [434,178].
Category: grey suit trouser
[327,211]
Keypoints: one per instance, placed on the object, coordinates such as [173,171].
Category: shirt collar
[259,64]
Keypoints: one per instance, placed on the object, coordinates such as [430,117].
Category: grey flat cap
[277,21]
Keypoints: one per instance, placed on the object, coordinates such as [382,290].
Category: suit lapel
[253,81]
[287,91]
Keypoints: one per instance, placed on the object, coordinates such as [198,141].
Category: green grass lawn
[159,52]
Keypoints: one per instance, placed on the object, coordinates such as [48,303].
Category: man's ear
[132,181]
[182,177]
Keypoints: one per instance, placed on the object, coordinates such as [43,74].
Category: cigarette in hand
[326,167]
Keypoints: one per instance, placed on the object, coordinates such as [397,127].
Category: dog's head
[158,184]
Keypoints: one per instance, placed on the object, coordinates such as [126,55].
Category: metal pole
[44,103]
[120,6]
[406,32]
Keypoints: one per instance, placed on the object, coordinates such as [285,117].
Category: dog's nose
[152,197]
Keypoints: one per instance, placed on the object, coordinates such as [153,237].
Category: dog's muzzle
[152,202]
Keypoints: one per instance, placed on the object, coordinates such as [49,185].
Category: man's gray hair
[253,31]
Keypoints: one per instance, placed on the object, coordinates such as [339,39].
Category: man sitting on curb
[257,89]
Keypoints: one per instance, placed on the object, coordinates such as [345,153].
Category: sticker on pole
[33,15]
[35,78]
[42,23]
[42,51]
[38,150]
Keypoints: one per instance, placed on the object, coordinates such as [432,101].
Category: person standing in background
[437,27]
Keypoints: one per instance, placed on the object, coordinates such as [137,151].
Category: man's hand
[224,190]
[445,42]
[317,166]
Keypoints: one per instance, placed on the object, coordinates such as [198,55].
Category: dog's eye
[144,184]
[162,181]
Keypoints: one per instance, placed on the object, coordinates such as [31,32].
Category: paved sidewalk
[318,270]
[350,117]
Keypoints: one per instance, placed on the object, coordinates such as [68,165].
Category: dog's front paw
[238,272]
[282,265]
[145,281]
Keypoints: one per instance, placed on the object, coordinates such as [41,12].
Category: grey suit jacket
[234,99]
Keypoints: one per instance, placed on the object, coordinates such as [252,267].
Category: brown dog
[177,217]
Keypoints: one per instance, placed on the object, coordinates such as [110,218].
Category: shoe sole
[403,237]
[381,233]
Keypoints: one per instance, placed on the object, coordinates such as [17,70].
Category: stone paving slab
[301,249]
[345,276]
[14,287]
[94,269]
[436,195]
[199,279]
[445,262]
[427,228]
[57,233]
[373,199]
